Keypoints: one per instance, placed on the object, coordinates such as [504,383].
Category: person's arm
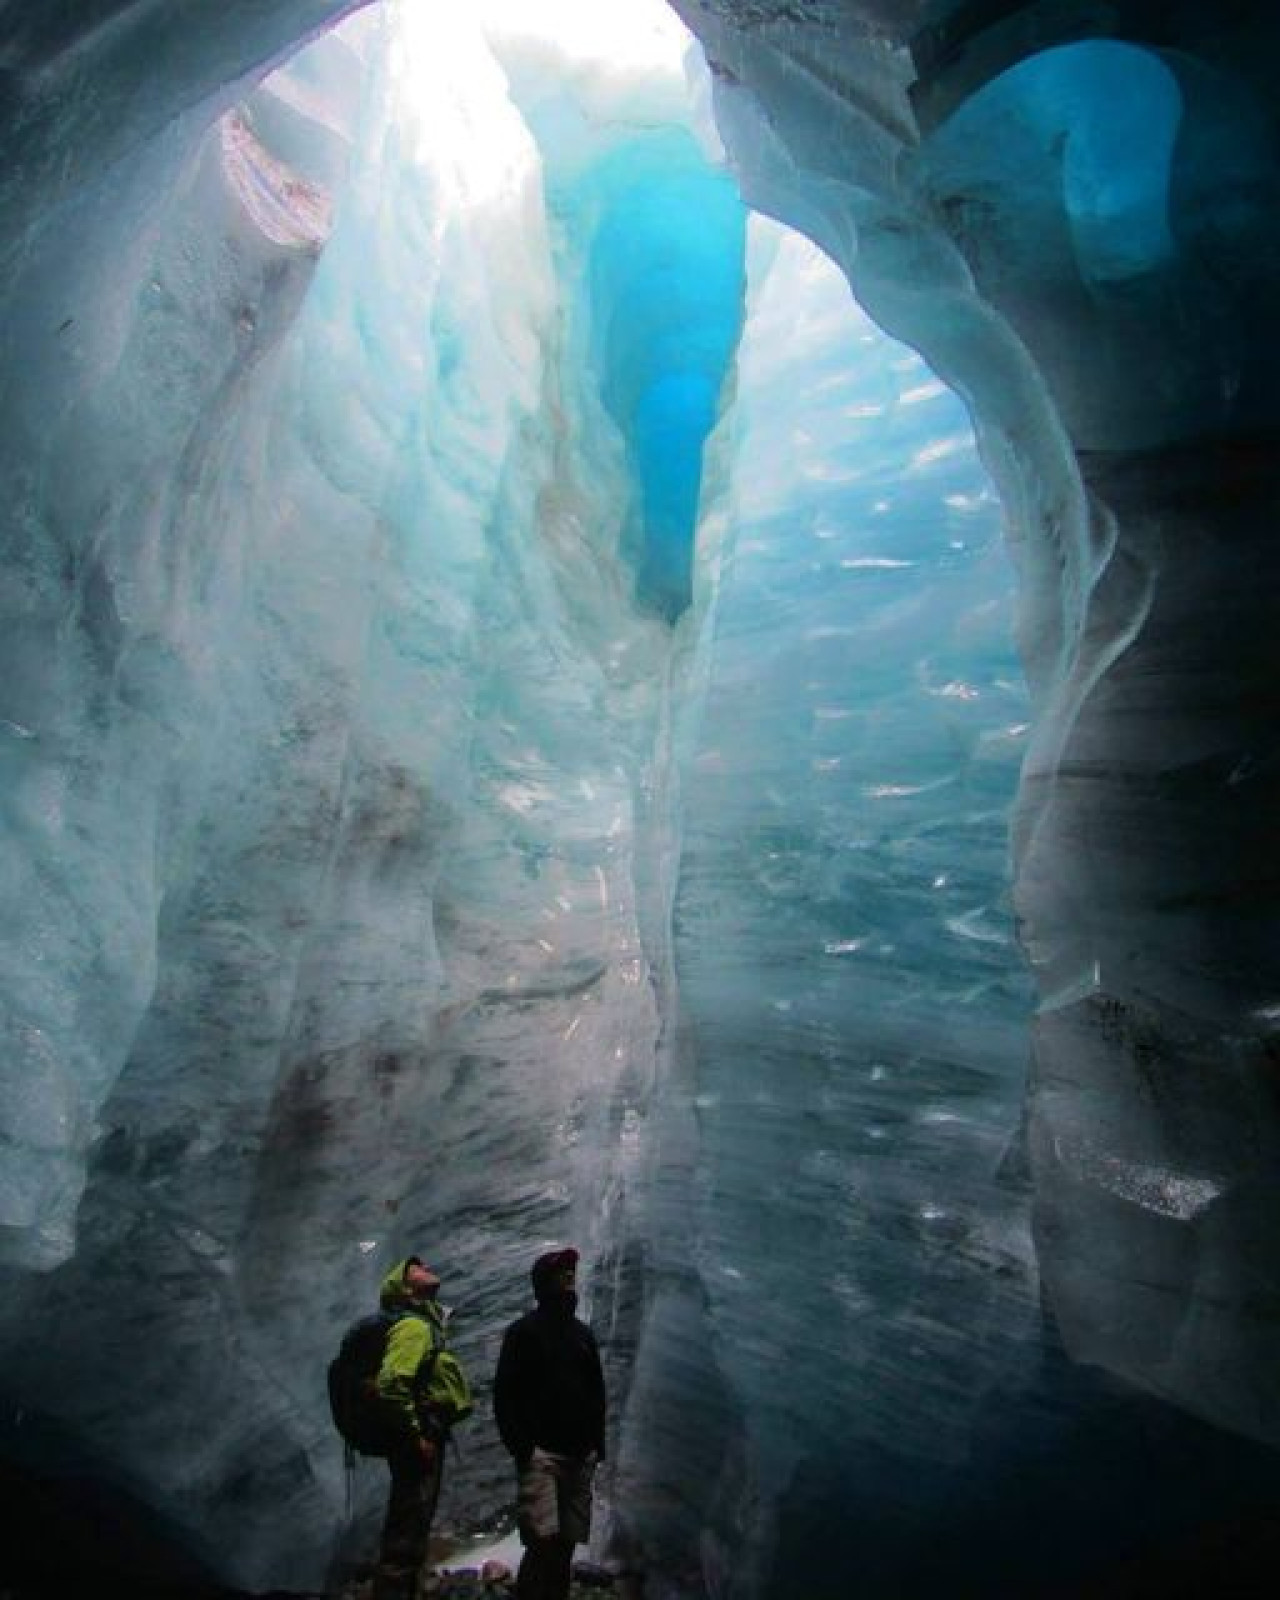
[511,1390]
[407,1344]
[447,1395]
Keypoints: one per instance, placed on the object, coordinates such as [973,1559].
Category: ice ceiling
[520,723]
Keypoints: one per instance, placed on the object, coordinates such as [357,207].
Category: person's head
[410,1283]
[555,1279]
[420,1282]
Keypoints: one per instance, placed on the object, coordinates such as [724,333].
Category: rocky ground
[64,1539]
[495,1580]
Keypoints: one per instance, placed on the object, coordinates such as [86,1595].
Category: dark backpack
[359,1414]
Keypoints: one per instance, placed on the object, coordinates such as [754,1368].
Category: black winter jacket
[549,1389]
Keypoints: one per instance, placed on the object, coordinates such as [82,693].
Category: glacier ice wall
[855,1220]
[334,754]
[1073,218]
[126,368]
[1144,833]
[214,851]
[842,841]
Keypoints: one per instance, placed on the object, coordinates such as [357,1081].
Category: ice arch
[1077,145]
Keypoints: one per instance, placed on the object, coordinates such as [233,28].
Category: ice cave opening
[531,714]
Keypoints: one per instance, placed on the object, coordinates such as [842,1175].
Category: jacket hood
[394,1295]
[545,1269]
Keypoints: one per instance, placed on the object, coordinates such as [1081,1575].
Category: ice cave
[645,625]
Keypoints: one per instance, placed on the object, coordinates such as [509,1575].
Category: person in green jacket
[423,1391]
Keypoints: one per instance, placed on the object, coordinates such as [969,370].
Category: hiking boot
[394,1583]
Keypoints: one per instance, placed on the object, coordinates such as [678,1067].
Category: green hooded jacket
[445,1398]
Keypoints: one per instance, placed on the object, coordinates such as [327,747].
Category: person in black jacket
[548,1398]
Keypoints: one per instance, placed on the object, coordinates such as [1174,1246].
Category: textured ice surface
[852,1001]
[1144,839]
[333,739]
[336,756]
[1104,296]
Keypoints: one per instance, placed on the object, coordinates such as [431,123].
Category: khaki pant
[553,1513]
[554,1498]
